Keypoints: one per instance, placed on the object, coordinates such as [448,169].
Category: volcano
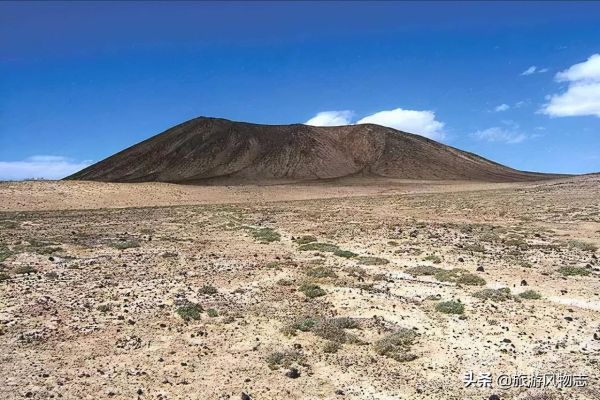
[214,151]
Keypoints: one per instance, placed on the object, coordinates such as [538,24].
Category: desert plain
[354,289]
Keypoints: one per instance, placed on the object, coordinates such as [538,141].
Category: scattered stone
[293,373]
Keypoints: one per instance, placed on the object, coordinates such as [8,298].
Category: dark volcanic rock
[212,150]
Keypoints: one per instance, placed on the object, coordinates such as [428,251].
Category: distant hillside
[217,150]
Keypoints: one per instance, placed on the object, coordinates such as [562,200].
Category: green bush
[450,307]
[582,245]
[495,295]
[316,246]
[25,269]
[470,280]
[433,258]
[104,308]
[208,290]
[190,311]
[211,312]
[283,359]
[320,272]
[333,329]
[125,244]
[4,253]
[397,345]
[423,270]
[367,260]
[331,347]
[312,290]
[344,253]
[266,235]
[574,271]
[459,276]
[306,239]
[530,295]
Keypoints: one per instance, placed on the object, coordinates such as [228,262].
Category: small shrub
[190,311]
[582,245]
[344,253]
[306,239]
[489,237]
[104,308]
[52,275]
[433,258]
[526,264]
[367,260]
[379,277]
[331,347]
[208,290]
[334,330]
[4,277]
[450,307]
[355,270]
[476,247]
[4,253]
[312,290]
[530,295]
[25,269]
[423,270]
[459,276]
[495,295]
[574,271]
[266,235]
[304,324]
[283,359]
[211,312]
[126,244]
[316,246]
[397,345]
[470,280]
[284,282]
[48,250]
[320,272]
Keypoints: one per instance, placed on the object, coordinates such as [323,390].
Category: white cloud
[331,118]
[498,134]
[40,167]
[586,71]
[529,71]
[582,96]
[502,107]
[534,70]
[420,122]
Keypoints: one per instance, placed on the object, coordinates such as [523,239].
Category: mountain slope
[218,150]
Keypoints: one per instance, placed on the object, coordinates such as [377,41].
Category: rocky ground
[393,294]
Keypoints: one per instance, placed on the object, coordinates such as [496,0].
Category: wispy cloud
[501,135]
[40,167]
[534,70]
[502,107]
[421,122]
[582,96]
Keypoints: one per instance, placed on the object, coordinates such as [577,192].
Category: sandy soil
[157,291]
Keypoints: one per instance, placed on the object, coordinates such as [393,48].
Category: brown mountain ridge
[213,150]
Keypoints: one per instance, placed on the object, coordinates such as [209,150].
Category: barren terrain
[348,290]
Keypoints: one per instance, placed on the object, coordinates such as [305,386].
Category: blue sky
[518,83]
